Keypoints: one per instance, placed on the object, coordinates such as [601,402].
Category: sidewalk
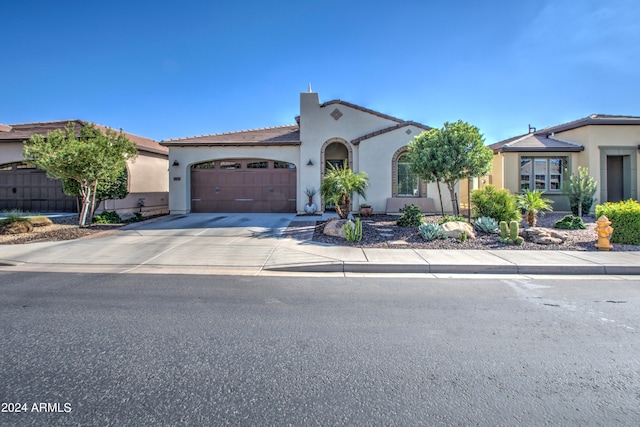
[193,244]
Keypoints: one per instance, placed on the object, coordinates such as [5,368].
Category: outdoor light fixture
[176,163]
[309,163]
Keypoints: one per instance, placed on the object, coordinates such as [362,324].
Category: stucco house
[24,187]
[608,145]
[268,170]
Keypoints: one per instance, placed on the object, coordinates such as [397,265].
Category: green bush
[625,220]
[454,218]
[500,205]
[107,217]
[137,217]
[353,232]
[485,224]
[411,216]
[431,231]
[570,222]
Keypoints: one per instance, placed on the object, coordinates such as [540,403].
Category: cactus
[431,231]
[353,232]
[509,233]
[485,224]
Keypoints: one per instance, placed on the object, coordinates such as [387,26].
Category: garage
[243,185]
[29,189]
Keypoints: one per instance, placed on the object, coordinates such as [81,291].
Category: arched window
[407,182]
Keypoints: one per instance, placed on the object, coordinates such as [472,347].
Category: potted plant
[310,207]
[366,210]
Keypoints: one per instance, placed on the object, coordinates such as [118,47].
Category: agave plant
[532,203]
[431,231]
[485,224]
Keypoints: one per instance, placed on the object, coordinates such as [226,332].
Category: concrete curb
[359,267]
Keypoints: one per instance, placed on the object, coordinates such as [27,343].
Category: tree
[339,184]
[580,190]
[113,190]
[532,203]
[88,157]
[455,152]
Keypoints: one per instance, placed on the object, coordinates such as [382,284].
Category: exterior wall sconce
[309,163]
[176,163]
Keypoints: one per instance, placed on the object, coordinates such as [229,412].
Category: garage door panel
[244,189]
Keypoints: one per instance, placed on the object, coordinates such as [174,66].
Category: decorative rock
[334,228]
[454,229]
[543,236]
[17,227]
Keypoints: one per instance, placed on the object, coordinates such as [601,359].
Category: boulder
[543,236]
[454,229]
[334,228]
[17,227]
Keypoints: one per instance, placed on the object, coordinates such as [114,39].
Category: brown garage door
[29,189]
[247,185]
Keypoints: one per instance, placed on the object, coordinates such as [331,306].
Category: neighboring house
[607,145]
[24,187]
[268,170]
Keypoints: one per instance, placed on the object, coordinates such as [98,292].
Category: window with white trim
[542,173]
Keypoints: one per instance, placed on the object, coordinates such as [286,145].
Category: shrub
[625,220]
[411,216]
[14,215]
[107,217]
[485,224]
[497,204]
[353,232]
[137,217]
[580,191]
[431,231]
[454,218]
[570,222]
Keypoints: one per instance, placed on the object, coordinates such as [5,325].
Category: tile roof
[534,142]
[24,131]
[389,129]
[276,136]
[594,119]
[544,140]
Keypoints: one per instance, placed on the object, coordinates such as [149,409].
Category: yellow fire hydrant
[604,231]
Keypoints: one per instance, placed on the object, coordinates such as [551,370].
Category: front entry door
[615,178]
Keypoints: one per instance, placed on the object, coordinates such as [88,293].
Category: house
[269,169]
[24,187]
[607,145]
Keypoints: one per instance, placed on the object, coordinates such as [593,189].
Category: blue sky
[167,69]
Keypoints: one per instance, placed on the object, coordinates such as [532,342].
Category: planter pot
[366,211]
[310,209]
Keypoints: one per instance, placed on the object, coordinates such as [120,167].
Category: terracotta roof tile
[24,131]
[533,142]
[277,135]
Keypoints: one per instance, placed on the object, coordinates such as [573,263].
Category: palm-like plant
[339,184]
[532,203]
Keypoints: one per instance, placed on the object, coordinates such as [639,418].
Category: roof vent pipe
[531,129]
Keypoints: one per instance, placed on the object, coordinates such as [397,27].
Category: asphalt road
[118,349]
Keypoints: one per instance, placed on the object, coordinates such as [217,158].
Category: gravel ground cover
[65,228]
[381,231]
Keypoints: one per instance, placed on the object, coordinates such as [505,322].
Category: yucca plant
[339,184]
[532,203]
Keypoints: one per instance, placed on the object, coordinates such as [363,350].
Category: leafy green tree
[455,152]
[532,203]
[339,184]
[88,157]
